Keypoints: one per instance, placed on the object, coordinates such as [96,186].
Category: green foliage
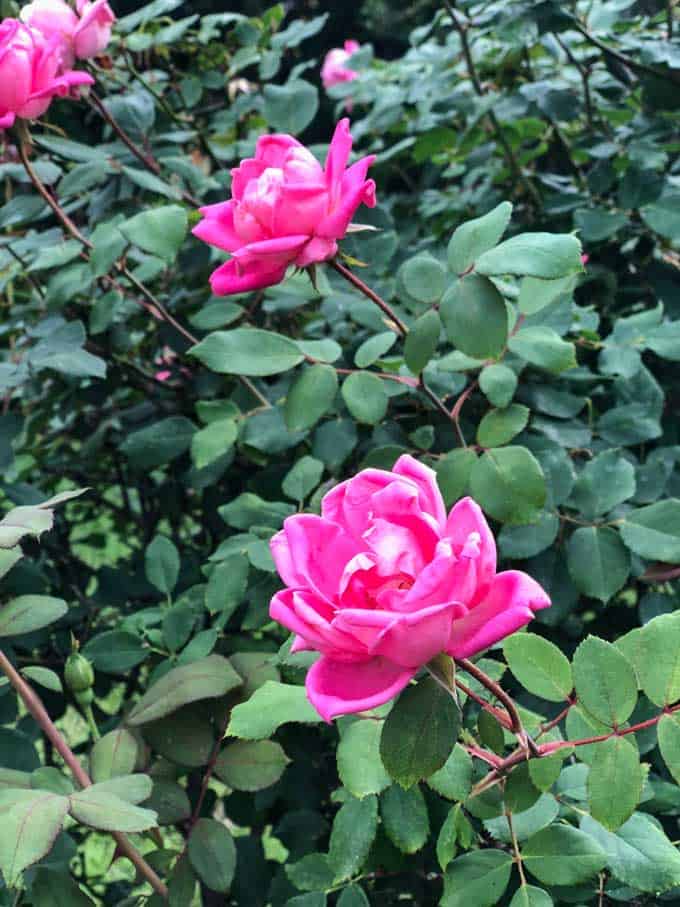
[509,143]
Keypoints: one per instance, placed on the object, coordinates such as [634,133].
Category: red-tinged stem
[151,304]
[660,573]
[36,708]
[456,411]
[145,158]
[548,726]
[499,693]
[352,278]
[501,717]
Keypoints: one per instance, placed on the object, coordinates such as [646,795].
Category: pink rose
[285,209]
[93,33]
[334,69]
[31,73]
[83,35]
[383,581]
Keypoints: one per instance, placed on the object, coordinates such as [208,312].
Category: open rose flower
[31,72]
[83,33]
[335,69]
[285,209]
[383,581]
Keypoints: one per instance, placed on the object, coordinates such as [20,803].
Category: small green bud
[84,698]
[78,673]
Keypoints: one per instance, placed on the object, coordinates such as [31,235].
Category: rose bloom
[31,73]
[285,209]
[335,69]
[81,35]
[383,581]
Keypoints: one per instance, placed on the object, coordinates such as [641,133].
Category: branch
[368,292]
[34,705]
[634,65]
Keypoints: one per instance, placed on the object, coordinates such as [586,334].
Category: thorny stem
[585,75]
[368,292]
[152,304]
[36,708]
[634,65]
[145,158]
[515,848]
[510,157]
[497,690]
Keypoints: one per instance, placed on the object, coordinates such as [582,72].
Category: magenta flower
[335,69]
[285,209]
[383,581]
[31,72]
[81,35]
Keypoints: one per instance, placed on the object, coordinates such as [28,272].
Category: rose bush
[383,581]
[500,328]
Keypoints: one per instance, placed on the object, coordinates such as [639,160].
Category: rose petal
[309,616]
[271,150]
[316,250]
[409,640]
[510,604]
[256,275]
[431,500]
[465,520]
[311,553]
[337,688]
[217,227]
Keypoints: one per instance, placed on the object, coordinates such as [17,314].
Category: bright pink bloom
[285,209]
[585,259]
[335,69]
[81,36]
[383,581]
[31,73]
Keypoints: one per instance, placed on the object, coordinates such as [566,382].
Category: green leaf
[115,652]
[358,755]
[29,829]
[658,661]
[158,443]
[663,215]
[353,896]
[212,854]
[405,818]
[544,348]
[248,509]
[536,294]
[520,542]
[539,666]
[207,678]
[290,108]
[530,896]
[132,788]
[598,561]
[424,279]
[247,351]
[227,585]
[654,532]
[668,731]
[44,678]
[447,837]
[365,396]
[475,237]
[312,873]
[639,854]
[28,613]
[498,383]
[170,802]
[605,482]
[475,318]
[453,473]
[526,823]
[115,754]
[161,562]
[251,766]
[419,732]
[354,829]
[562,855]
[272,705]
[544,255]
[499,426]
[53,889]
[21,521]
[186,737]
[479,877]
[605,681]
[303,478]
[373,348]
[213,442]
[107,812]
[310,397]
[454,778]
[614,782]
[421,341]
[509,485]
[160,231]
